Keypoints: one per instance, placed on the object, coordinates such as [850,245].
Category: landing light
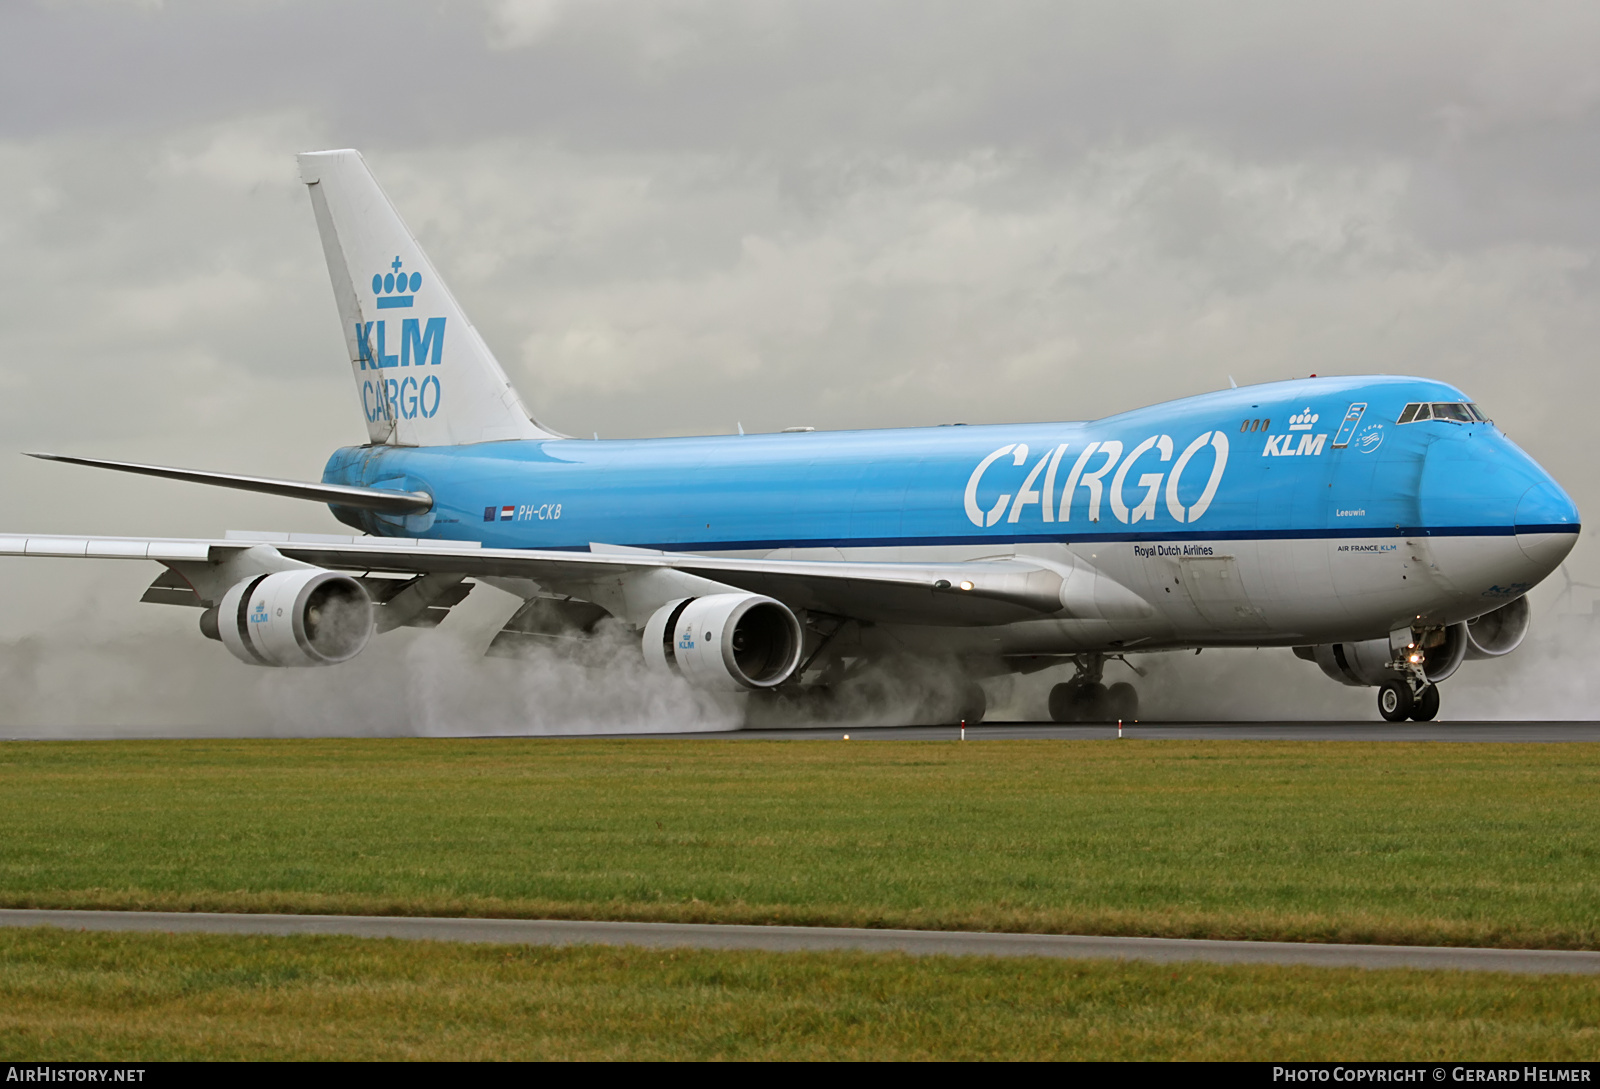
[966,585]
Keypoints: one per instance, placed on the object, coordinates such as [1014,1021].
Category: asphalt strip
[789,939]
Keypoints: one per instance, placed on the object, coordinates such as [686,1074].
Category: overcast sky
[673,217]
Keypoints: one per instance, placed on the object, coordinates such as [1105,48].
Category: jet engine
[733,642]
[292,618]
[1499,632]
[1366,664]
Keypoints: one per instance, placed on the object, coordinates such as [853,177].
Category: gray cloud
[671,217]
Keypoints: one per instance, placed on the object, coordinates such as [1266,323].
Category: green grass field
[133,997]
[1423,843]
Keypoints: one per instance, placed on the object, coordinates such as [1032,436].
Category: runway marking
[789,939]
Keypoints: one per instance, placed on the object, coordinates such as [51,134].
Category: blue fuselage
[905,488]
[1318,460]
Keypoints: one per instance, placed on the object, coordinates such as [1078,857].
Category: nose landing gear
[1412,695]
[1401,699]
[1086,699]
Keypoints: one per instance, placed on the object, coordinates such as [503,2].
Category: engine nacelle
[1499,632]
[731,642]
[293,618]
[1366,664]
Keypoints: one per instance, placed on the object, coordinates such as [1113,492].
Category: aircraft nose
[1485,484]
[1546,524]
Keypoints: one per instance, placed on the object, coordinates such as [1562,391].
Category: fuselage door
[1352,417]
[1213,585]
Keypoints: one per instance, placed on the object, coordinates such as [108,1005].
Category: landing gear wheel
[1394,701]
[1427,704]
[1089,703]
[1122,702]
[1061,706]
[1078,702]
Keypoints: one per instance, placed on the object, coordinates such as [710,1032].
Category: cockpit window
[1454,411]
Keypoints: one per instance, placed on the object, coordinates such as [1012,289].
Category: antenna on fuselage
[1232,383]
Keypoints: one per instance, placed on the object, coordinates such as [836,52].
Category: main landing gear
[1086,698]
[1401,699]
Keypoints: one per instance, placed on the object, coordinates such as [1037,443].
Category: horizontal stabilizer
[384,502]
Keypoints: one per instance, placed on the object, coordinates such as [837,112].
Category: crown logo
[1301,422]
[395,289]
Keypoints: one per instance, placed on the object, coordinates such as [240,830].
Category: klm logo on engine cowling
[1088,475]
[1284,445]
[420,344]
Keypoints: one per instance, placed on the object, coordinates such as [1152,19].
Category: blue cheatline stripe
[1085,538]
[1120,538]
[394,302]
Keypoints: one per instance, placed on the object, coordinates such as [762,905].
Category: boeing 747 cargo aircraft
[1382,527]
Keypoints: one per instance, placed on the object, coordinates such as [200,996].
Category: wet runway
[1186,731]
[788,939]
[1503,731]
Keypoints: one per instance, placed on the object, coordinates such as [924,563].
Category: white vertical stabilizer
[425,376]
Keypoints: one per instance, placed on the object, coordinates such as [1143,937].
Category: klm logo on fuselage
[1284,445]
[421,344]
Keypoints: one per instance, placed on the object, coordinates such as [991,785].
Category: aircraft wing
[981,592]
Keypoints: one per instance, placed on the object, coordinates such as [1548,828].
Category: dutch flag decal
[508,513]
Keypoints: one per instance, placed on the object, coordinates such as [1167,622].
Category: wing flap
[171,588]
